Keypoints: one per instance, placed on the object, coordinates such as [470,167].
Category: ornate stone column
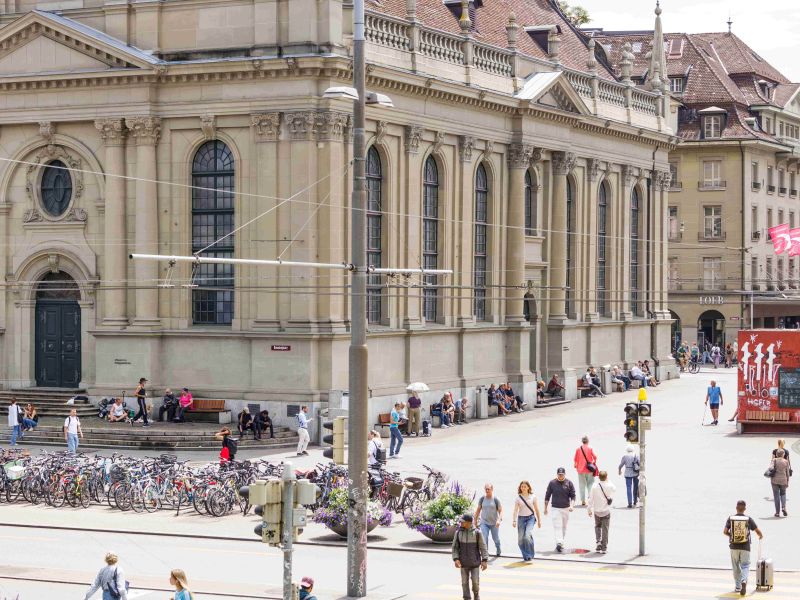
[113,133]
[145,132]
[412,309]
[464,246]
[519,160]
[563,163]
[624,273]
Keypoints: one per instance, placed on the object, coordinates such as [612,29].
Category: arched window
[635,232]
[480,248]
[569,294]
[374,235]
[530,205]
[212,218]
[602,225]
[430,238]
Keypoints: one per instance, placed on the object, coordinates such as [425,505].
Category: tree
[577,15]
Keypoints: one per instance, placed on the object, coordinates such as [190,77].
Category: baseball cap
[467,518]
[307,582]
[561,471]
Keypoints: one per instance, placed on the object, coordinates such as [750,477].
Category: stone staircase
[49,402]
[160,436]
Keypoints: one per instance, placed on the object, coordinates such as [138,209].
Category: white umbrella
[418,386]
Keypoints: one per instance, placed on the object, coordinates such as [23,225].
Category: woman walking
[141,399]
[111,580]
[526,515]
[780,474]
[177,579]
[630,462]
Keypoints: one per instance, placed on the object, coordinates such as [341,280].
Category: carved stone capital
[563,163]
[466,144]
[145,131]
[381,127]
[519,156]
[112,131]
[627,175]
[667,182]
[267,126]
[208,125]
[413,134]
[301,124]
[330,125]
[592,169]
[438,141]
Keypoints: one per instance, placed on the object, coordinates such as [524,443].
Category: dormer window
[676,85]
[541,34]
[712,120]
[675,48]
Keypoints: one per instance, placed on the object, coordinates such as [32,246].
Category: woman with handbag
[111,580]
[526,515]
[779,474]
[630,462]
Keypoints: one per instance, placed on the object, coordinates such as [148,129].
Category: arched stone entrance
[711,328]
[57,332]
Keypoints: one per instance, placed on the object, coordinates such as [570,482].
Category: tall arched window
[374,235]
[635,229]
[430,238]
[569,294]
[480,248]
[602,224]
[530,205]
[212,218]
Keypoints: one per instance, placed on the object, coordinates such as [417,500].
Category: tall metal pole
[642,483]
[287,518]
[358,421]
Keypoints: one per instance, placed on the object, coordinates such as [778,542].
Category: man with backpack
[72,429]
[489,515]
[470,556]
[229,445]
[737,530]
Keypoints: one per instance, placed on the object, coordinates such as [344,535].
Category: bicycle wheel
[694,368]
[219,503]
[13,489]
[137,499]
[56,495]
[122,497]
[72,492]
[152,501]
[412,502]
[85,496]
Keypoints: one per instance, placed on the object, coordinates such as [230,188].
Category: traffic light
[336,440]
[645,409]
[632,422]
[305,493]
[266,498]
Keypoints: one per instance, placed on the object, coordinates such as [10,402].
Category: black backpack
[232,445]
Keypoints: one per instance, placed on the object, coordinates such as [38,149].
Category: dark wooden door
[58,347]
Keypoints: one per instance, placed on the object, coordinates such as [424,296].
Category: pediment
[552,90]
[45,43]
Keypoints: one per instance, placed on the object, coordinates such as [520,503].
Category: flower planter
[441,537]
[341,530]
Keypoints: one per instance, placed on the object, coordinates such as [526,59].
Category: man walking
[586,466]
[13,421]
[414,414]
[470,555]
[714,399]
[600,499]
[489,515]
[562,493]
[737,530]
[72,429]
[302,431]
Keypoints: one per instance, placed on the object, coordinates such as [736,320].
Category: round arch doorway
[58,332]
[711,328]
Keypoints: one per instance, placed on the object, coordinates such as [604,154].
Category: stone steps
[49,402]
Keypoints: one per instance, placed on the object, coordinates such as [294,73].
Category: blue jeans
[632,487]
[495,531]
[396,441]
[15,431]
[740,560]
[72,443]
[525,536]
[29,423]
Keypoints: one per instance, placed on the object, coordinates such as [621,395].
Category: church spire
[657,74]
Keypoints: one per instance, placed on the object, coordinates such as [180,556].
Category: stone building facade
[513,156]
[733,176]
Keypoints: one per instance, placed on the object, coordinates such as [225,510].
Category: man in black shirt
[737,530]
[562,493]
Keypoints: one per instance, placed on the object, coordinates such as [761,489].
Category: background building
[512,155]
[733,176]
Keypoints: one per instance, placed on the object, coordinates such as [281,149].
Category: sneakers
[599,548]
[559,548]
[603,551]
[743,591]
[785,514]
[305,453]
[497,554]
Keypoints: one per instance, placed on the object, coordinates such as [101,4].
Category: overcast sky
[770,27]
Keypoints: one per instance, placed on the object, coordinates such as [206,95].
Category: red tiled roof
[491,18]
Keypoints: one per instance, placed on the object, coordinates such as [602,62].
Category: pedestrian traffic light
[336,440]
[266,498]
[632,422]
[645,409]
[305,494]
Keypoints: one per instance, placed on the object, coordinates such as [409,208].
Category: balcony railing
[782,191]
[793,193]
[705,186]
[676,186]
[702,237]
[756,185]
[770,189]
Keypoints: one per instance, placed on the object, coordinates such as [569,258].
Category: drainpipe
[744,234]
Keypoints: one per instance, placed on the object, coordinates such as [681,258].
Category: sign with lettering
[281,348]
[705,300]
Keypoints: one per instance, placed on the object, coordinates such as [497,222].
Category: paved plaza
[695,474]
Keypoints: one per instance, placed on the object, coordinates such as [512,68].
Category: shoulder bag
[525,502]
[771,471]
[589,465]
[604,494]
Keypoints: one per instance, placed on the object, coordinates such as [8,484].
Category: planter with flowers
[439,519]
[334,514]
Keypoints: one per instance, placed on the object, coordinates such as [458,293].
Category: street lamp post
[358,421]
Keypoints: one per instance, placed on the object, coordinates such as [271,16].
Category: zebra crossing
[557,580]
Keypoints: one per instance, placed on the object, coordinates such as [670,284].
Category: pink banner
[794,249]
[781,238]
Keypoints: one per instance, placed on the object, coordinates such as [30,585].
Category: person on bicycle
[683,351]
[695,352]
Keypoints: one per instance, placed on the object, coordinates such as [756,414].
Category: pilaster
[464,240]
[624,273]
[412,319]
[519,160]
[563,164]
